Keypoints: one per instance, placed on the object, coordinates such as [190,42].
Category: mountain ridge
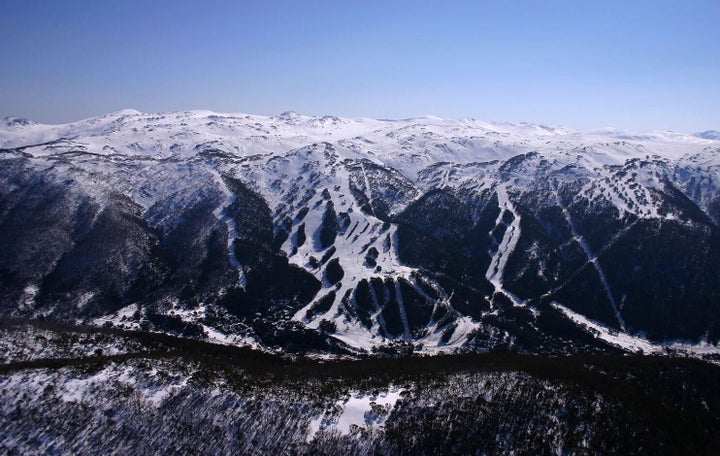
[441,234]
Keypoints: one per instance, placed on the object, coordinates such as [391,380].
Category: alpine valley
[232,263]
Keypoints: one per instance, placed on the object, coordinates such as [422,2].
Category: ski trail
[221,214]
[381,323]
[413,281]
[401,309]
[378,310]
[610,243]
[368,192]
[505,248]
[592,259]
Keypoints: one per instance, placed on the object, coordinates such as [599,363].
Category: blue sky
[634,65]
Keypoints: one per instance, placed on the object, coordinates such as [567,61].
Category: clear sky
[634,65]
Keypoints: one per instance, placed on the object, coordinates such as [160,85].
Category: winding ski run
[506,246]
[221,214]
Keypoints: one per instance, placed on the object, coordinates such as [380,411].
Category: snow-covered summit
[15,122]
[434,138]
[709,134]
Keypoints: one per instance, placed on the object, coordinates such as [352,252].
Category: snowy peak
[15,122]
[712,135]
[124,112]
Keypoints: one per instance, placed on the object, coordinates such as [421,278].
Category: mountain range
[333,236]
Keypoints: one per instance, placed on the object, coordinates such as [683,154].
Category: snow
[368,189]
[157,396]
[403,313]
[27,300]
[361,410]
[120,318]
[153,391]
[507,245]
[636,344]
[75,388]
[197,315]
[221,214]
[132,132]
[464,326]
[349,250]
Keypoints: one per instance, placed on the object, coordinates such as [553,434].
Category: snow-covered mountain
[357,235]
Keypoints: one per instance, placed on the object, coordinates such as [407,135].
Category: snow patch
[356,410]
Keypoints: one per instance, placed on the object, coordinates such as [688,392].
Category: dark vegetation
[628,404]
